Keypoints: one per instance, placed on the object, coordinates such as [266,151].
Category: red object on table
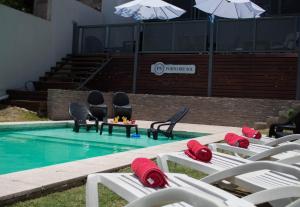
[236,140]
[198,151]
[149,173]
[251,133]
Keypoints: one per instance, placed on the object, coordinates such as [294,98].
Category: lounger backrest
[78,112]
[176,118]
[95,98]
[120,99]
[179,115]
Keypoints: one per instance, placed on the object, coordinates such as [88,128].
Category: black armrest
[157,122]
[161,125]
[93,117]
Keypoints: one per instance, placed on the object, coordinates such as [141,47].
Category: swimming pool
[28,148]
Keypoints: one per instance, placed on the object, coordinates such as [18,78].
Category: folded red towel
[251,133]
[198,151]
[236,140]
[149,173]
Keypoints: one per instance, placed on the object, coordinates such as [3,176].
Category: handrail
[95,73]
[4,97]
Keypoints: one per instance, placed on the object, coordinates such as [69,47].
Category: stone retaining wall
[203,110]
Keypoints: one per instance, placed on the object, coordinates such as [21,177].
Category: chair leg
[148,133]
[76,128]
[97,126]
[155,135]
[88,128]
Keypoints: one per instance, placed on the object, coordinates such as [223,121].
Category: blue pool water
[33,148]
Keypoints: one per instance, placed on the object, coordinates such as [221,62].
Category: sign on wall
[160,68]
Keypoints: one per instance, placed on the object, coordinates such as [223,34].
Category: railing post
[136,56]
[211,56]
[298,67]
[75,42]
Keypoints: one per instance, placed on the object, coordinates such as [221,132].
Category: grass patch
[75,197]
[15,114]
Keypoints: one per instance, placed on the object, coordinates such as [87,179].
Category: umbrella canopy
[149,9]
[233,9]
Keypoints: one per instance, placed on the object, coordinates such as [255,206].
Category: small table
[127,126]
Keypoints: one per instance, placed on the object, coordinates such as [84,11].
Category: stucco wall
[25,51]
[63,14]
[203,110]
[29,45]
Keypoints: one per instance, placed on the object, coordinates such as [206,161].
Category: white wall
[64,12]
[24,48]
[29,45]
[108,9]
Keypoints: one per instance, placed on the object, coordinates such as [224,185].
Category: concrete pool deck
[24,183]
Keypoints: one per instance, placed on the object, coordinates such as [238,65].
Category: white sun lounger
[252,176]
[268,141]
[288,152]
[183,191]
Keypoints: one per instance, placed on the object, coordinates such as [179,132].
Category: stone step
[27,95]
[73,63]
[45,85]
[84,59]
[98,55]
[63,78]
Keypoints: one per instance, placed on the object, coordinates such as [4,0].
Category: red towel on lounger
[236,140]
[198,151]
[149,173]
[251,133]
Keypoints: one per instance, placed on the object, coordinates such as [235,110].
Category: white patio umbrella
[145,10]
[149,9]
[232,9]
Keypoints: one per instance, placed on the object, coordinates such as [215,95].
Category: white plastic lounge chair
[259,152]
[252,176]
[294,204]
[182,191]
[269,141]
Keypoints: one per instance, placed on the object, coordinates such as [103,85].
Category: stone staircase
[72,72]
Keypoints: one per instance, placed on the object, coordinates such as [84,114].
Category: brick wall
[234,75]
[203,110]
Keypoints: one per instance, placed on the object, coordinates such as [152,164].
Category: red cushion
[251,133]
[236,140]
[198,151]
[149,173]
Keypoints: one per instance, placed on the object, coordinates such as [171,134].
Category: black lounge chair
[80,115]
[171,122]
[96,104]
[121,105]
[280,130]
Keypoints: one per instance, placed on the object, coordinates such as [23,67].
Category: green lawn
[75,197]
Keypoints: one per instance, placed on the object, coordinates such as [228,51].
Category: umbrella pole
[136,56]
[298,73]
[211,55]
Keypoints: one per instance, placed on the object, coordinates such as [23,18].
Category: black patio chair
[280,130]
[80,114]
[171,122]
[96,105]
[121,105]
